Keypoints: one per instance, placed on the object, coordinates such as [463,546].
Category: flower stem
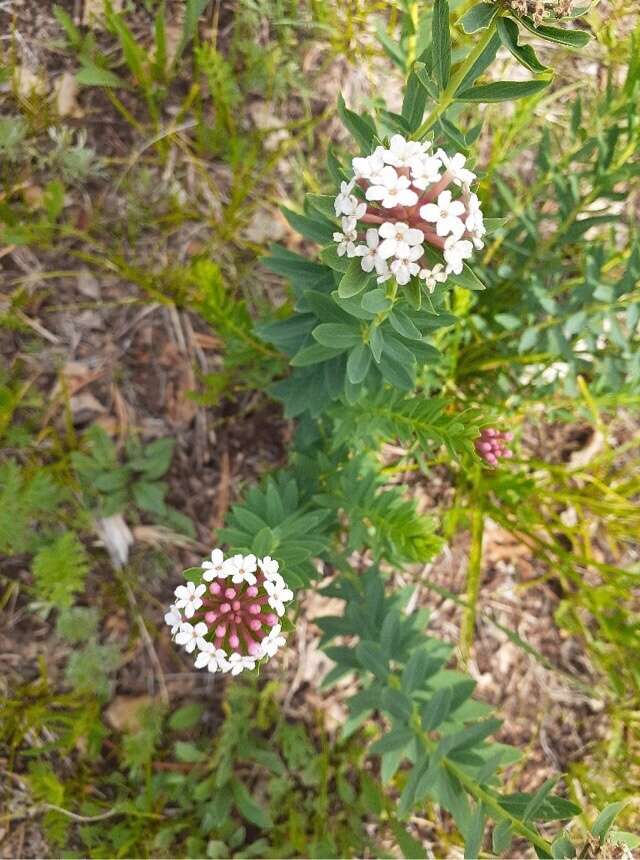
[448,94]
[474,574]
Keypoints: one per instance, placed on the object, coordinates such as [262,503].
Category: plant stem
[448,94]
[498,811]
[474,573]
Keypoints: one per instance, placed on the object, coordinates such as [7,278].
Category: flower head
[491,445]
[414,200]
[234,616]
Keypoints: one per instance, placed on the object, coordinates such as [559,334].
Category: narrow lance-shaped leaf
[441,43]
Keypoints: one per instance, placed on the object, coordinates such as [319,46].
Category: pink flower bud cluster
[232,617]
[491,445]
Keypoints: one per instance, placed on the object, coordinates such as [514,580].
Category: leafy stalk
[449,93]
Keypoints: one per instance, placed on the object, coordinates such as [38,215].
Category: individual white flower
[348,238]
[278,593]
[343,197]
[191,635]
[212,658]
[432,277]
[402,151]
[404,267]
[269,566]
[369,166]
[271,643]
[214,568]
[391,189]
[242,568]
[425,170]
[351,207]
[238,663]
[455,251]
[173,618]
[445,214]
[475,221]
[189,597]
[398,238]
[370,254]
[383,271]
[454,166]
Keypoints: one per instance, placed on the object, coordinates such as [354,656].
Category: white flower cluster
[407,193]
[232,617]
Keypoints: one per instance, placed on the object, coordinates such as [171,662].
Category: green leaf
[371,658]
[396,739]
[376,301]
[404,325]
[502,836]
[411,847]
[467,279]
[150,496]
[415,98]
[188,752]
[441,43]
[552,809]
[337,335]
[413,293]
[605,819]
[437,709]
[569,38]
[376,343]
[501,91]
[524,54]
[535,804]
[354,280]
[312,228]
[360,127]
[248,808]
[479,17]
[358,363]
[193,11]
[562,847]
[91,75]
[186,717]
[314,354]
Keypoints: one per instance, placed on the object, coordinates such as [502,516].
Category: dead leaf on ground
[124,714]
[66,93]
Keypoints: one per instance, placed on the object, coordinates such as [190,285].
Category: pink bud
[215,588]
[210,617]
[230,593]
[225,607]
[254,649]
[508,437]
[507,453]
[255,624]
[254,608]
[492,459]
[221,629]
[236,605]
[234,641]
[271,619]
[252,591]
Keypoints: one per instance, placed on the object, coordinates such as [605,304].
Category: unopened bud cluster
[231,618]
[491,446]
[402,199]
